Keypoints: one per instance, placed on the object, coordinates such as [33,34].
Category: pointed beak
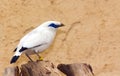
[62,25]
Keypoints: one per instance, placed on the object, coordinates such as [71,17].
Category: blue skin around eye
[53,25]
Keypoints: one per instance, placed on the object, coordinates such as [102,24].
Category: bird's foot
[41,58]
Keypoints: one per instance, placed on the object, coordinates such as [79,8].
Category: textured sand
[91,34]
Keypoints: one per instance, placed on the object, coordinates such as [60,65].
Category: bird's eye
[53,25]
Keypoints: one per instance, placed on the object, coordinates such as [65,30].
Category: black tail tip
[14,59]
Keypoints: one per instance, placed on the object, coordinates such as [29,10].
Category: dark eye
[53,25]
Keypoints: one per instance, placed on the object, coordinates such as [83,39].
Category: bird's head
[53,24]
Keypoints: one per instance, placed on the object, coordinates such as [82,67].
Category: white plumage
[37,40]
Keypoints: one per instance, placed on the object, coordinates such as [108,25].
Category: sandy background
[91,34]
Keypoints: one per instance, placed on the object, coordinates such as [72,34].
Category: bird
[36,41]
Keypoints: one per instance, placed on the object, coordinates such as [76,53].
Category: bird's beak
[62,25]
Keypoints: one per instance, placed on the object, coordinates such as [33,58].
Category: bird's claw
[41,58]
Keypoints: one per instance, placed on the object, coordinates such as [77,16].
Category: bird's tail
[17,54]
[15,57]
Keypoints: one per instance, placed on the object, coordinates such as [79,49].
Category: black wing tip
[15,50]
[14,59]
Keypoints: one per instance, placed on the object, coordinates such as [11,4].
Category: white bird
[37,40]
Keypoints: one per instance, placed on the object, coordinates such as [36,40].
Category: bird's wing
[15,50]
[34,39]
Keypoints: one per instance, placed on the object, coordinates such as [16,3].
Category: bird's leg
[40,58]
[28,57]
